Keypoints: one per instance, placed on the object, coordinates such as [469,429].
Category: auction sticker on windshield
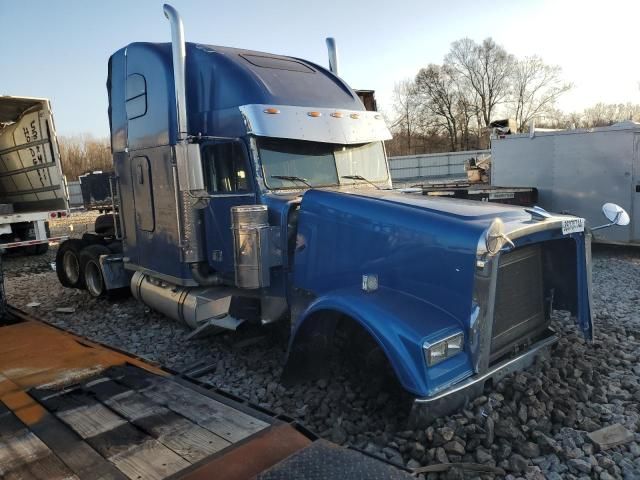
[572,225]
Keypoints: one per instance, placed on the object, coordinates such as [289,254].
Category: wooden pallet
[73,409]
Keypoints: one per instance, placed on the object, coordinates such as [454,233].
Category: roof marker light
[355,116]
[337,115]
[314,114]
[378,117]
[271,111]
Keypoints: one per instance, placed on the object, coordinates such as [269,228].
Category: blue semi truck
[254,187]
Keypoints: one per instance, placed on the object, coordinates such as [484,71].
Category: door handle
[139,174]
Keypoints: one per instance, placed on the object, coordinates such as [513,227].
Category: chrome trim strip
[502,368]
[295,123]
[481,323]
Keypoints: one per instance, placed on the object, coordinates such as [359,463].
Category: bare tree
[486,68]
[536,88]
[83,153]
[604,114]
[406,110]
[439,97]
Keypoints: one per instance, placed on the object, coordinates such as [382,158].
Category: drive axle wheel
[68,264]
[90,266]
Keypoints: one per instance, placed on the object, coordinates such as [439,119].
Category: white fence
[433,166]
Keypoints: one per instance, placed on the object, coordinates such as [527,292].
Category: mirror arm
[603,226]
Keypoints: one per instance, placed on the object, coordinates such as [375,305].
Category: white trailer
[32,188]
[576,171]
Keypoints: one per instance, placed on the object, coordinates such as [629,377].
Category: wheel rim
[71,266]
[93,279]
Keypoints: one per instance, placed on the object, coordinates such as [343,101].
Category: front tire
[90,266]
[68,264]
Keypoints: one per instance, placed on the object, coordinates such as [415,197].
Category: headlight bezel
[441,350]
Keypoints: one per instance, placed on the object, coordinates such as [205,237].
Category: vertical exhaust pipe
[179,53]
[190,193]
[333,55]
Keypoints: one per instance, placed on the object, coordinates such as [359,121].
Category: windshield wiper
[361,178]
[292,178]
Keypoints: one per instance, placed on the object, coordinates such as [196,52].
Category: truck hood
[422,246]
[465,210]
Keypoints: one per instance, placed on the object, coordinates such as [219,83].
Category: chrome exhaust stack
[333,55]
[190,190]
[179,53]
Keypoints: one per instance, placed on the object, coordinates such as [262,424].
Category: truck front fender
[398,322]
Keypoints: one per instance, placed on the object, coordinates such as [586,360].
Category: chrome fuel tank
[190,305]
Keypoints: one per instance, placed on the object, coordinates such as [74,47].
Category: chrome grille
[519,305]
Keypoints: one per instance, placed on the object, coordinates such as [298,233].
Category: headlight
[436,352]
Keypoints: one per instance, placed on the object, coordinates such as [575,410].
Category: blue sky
[59,49]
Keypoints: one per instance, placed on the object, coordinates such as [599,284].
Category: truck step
[214,326]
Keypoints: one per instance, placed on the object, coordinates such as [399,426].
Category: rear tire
[68,264]
[92,272]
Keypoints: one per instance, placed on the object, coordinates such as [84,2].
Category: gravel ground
[533,424]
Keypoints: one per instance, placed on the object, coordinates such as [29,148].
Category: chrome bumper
[425,410]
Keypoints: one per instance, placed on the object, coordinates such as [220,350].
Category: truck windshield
[320,164]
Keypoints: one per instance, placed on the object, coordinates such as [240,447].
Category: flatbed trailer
[74,409]
[482,192]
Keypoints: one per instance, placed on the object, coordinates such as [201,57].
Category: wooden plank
[190,441]
[136,454]
[82,413]
[149,460]
[80,459]
[83,460]
[126,402]
[223,420]
[47,468]
[19,450]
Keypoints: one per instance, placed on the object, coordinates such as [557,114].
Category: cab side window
[226,167]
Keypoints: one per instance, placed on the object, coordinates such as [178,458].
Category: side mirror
[615,214]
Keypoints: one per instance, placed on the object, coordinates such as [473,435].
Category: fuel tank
[190,305]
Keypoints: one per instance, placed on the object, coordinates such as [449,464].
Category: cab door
[230,183]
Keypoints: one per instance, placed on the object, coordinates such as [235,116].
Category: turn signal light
[271,110]
[314,114]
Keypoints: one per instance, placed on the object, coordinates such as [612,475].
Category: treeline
[82,154]
[449,106]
